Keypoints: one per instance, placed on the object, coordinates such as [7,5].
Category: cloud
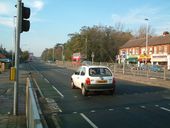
[6,21]
[7,11]
[3,8]
[136,17]
[38,4]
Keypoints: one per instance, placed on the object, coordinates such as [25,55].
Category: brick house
[158,50]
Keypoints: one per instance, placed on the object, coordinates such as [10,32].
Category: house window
[150,50]
[155,50]
[165,49]
[161,49]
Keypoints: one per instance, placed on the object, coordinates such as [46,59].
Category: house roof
[134,43]
[159,40]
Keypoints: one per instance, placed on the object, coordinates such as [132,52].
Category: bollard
[2,67]
[12,73]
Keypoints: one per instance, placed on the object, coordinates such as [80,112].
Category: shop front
[133,59]
[161,59]
[144,58]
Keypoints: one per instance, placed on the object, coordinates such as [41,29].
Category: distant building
[158,50]
[2,52]
[30,56]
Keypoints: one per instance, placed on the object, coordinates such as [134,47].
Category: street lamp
[146,35]
[146,39]
[62,46]
[14,38]
[53,52]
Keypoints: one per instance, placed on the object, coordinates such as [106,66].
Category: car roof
[94,66]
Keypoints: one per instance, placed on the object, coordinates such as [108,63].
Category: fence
[125,69]
[32,112]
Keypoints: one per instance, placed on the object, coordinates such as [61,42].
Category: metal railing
[125,69]
[32,113]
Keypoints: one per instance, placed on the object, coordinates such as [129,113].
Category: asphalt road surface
[132,106]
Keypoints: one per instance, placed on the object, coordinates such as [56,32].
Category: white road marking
[74,112]
[156,105]
[38,88]
[166,109]
[75,96]
[46,80]
[58,91]
[142,106]
[127,108]
[92,111]
[111,109]
[88,120]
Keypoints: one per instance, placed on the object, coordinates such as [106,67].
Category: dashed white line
[46,80]
[166,109]
[111,109]
[127,108]
[88,120]
[38,88]
[92,111]
[58,91]
[142,106]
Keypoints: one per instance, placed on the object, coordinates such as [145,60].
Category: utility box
[12,74]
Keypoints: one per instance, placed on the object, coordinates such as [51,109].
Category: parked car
[155,68]
[93,78]
[86,62]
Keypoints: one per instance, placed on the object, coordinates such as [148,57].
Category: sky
[52,20]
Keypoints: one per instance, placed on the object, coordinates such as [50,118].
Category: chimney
[165,33]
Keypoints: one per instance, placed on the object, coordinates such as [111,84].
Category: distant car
[86,62]
[93,78]
[155,68]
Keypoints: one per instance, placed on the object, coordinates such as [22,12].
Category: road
[132,106]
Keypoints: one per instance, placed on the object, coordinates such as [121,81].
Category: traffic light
[25,23]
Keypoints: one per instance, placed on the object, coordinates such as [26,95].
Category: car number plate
[101,81]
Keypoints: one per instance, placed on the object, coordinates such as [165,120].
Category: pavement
[150,81]
[7,119]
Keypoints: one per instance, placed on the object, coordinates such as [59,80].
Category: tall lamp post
[147,35]
[53,53]
[62,54]
[147,26]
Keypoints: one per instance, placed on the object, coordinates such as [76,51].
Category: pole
[146,37]
[17,45]
[53,54]
[146,40]
[62,53]
[86,48]
[14,39]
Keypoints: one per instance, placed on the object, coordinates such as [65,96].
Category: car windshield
[99,72]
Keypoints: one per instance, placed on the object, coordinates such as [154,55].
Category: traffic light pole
[17,46]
